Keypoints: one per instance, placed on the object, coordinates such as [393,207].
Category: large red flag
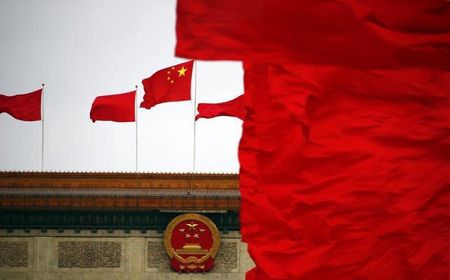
[346,178]
[373,33]
[168,84]
[115,107]
[25,107]
[344,154]
[231,108]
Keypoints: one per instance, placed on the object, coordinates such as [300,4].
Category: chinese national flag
[231,108]
[169,84]
[115,107]
[345,148]
[25,107]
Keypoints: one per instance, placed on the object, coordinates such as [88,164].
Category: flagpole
[195,136]
[136,125]
[42,134]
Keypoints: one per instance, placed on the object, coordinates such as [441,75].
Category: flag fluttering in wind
[344,153]
[231,108]
[168,85]
[25,107]
[115,107]
[356,33]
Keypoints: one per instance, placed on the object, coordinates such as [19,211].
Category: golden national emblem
[192,242]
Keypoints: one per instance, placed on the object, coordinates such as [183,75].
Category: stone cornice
[107,192]
[119,180]
[146,175]
[120,191]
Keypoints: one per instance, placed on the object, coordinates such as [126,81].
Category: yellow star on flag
[182,71]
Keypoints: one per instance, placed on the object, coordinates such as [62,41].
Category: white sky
[86,48]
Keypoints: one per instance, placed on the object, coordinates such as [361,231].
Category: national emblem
[192,242]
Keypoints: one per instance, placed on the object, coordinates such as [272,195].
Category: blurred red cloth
[345,174]
[345,152]
[355,33]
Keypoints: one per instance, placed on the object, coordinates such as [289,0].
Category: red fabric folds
[168,85]
[345,152]
[25,107]
[231,108]
[356,33]
[346,179]
[115,107]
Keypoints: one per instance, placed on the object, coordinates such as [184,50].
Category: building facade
[111,225]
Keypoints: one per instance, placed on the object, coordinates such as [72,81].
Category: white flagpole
[42,133]
[195,133]
[136,125]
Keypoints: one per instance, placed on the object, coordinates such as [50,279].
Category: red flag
[375,33]
[344,153]
[231,108]
[25,107]
[338,173]
[115,107]
[169,84]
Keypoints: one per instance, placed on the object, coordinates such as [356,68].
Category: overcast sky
[86,48]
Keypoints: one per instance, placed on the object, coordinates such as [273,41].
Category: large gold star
[192,226]
[182,71]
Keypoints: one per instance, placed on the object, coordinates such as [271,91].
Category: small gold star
[182,71]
